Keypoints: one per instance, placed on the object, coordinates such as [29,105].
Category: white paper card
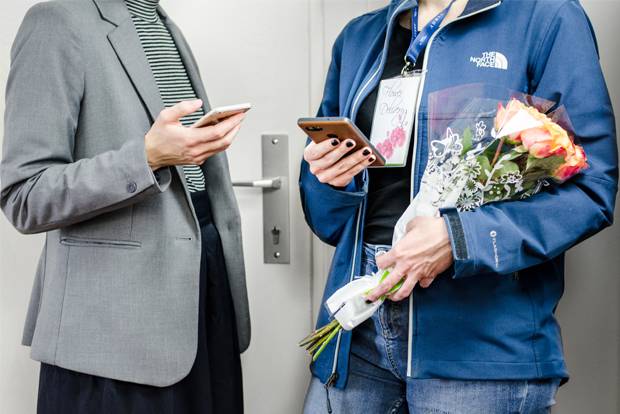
[393,119]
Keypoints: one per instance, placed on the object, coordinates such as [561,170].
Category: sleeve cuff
[140,177]
[349,195]
[463,264]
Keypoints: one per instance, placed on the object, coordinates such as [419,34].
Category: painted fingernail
[335,142]
[350,144]
[366,152]
[371,159]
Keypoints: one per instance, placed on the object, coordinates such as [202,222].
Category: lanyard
[419,40]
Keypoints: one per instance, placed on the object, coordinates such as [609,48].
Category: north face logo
[490,60]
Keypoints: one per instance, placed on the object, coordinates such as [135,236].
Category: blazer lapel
[126,44]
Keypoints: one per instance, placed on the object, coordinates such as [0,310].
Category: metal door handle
[273,183]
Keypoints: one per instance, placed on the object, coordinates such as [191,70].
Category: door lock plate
[276,214]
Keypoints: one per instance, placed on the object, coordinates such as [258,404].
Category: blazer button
[132,187]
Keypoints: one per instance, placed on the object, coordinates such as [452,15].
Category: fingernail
[366,152]
[371,159]
[350,144]
[368,301]
[335,142]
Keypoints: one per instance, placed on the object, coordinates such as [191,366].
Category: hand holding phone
[338,151]
[169,143]
[221,113]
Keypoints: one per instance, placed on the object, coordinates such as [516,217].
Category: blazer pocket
[88,242]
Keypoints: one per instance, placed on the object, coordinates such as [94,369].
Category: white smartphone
[216,115]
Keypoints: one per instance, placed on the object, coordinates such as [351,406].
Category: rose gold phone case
[321,129]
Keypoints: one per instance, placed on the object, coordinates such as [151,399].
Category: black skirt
[213,385]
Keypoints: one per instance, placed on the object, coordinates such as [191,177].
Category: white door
[257,51]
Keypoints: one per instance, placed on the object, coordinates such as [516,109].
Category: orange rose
[539,142]
[504,114]
[548,139]
[575,162]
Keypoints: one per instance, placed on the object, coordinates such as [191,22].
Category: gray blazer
[116,290]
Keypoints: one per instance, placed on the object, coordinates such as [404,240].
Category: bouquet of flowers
[481,150]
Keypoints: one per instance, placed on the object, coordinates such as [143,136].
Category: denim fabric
[378,382]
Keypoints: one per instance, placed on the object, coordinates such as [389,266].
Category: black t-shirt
[389,188]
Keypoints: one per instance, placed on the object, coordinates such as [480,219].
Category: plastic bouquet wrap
[486,145]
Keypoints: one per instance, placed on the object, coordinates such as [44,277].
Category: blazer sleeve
[509,236]
[43,187]
[328,209]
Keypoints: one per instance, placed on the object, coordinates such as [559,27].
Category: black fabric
[389,188]
[214,384]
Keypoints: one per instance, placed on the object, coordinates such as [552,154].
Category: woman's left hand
[423,254]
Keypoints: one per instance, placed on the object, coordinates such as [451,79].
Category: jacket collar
[115,11]
[473,6]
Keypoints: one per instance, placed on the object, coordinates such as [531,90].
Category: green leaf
[485,166]
[511,155]
[505,168]
[467,140]
[537,168]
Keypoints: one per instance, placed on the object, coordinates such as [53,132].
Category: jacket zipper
[414,156]
[334,375]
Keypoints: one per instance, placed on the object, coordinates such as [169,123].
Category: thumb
[180,110]
[386,260]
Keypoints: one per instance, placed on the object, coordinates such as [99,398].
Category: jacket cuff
[349,195]
[140,177]
[461,250]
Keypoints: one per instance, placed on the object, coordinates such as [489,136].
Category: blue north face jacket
[492,315]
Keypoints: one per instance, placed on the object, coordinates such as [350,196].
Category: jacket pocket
[88,242]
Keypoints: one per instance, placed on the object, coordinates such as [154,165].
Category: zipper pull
[330,381]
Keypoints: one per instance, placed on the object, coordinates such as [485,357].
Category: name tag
[393,119]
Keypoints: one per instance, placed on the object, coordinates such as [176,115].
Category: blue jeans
[378,380]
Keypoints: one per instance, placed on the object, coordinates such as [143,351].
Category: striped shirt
[168,69]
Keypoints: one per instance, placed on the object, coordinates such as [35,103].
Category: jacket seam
[62,306]
[79,43]
[546,36]
[602,179]
[42,281]
[534,329]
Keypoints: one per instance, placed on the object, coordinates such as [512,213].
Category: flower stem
[318,333]
[498,151]
[325,342]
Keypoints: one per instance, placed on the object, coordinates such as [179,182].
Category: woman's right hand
[168,142]
[328,165]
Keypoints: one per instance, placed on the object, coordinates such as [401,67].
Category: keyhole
[275,233]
